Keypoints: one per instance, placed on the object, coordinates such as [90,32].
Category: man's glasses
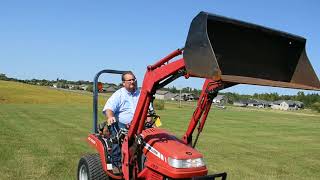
[131,80]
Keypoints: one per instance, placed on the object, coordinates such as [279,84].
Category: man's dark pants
[116,149]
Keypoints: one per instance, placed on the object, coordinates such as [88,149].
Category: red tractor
[225,52]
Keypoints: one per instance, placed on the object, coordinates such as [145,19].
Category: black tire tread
[95,169]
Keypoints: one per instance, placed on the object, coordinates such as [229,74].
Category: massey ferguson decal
[92,141]
[155,152]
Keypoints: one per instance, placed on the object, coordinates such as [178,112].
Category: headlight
[186,163]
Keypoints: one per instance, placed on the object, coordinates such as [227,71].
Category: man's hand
[111,120]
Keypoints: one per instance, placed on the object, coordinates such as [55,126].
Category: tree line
[309,100]
[44,82]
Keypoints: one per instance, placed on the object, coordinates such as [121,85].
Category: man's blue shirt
[123,104]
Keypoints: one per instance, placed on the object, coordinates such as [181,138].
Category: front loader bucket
[238,52]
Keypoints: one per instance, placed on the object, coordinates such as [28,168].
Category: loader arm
[155,77]
[209,91]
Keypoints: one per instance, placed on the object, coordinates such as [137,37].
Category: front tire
[90,168]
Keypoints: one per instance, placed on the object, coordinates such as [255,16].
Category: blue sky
[74,40]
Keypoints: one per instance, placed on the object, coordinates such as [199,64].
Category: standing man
[120,108]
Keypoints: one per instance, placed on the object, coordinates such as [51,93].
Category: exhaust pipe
[238,52]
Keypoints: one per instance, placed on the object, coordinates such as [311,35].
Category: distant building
[299,104]
[258,103]
[264,103]
[188,96]
[83,87]
[253,103]
[165,95]
[71,86]
[111,89]
[287,105]
[240,103]
[219,99]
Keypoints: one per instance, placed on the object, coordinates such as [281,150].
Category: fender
[96,143]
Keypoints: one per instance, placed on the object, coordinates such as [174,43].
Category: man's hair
[127,72]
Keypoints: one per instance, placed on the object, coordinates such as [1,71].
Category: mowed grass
[43,134]
[42,131]
[249,144]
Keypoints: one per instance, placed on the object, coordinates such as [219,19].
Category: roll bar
[95,96]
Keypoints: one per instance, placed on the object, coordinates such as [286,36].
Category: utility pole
[180,99]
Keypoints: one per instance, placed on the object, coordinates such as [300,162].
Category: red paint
[162,143]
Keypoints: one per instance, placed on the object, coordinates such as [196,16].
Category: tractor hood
[164,142]
[237,52]
[165,153]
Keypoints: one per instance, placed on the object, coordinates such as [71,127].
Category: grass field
[43,134]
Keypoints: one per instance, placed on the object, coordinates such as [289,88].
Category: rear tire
[90,168]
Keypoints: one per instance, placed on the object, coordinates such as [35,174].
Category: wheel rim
[83,173]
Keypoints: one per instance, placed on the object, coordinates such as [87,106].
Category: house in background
[165,95]
[280,105]
[111,89]
[71,86]
[240,103]
[299,104]
[287,105]
[83,87]
[253,103]
[264,104]
[219,99]
[189,96]
[258,103]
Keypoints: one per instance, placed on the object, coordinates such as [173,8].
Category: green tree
[316,107]
[300,96]
[90,88]
[158,104]
[3,77]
